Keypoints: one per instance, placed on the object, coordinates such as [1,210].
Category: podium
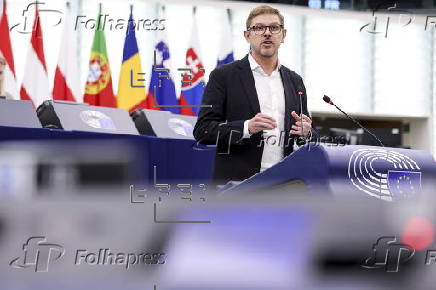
[71,116]
[385,173]
[18,113]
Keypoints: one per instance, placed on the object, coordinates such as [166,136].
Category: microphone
[300,93]
[327,100]
[330,102]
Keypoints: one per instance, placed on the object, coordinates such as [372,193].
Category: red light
[418,233]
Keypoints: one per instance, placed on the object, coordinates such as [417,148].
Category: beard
[266,52]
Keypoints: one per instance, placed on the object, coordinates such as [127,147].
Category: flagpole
[100,9]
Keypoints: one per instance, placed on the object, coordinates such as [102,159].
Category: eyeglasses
[260,29]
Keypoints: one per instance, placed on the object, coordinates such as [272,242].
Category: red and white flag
[10,83]
[66,80]
[35,80]
[192,83]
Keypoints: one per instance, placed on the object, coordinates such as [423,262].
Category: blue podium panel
[18,113]
[176,160]
[385,173]
[8,133]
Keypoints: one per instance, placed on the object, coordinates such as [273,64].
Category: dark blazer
[232,97]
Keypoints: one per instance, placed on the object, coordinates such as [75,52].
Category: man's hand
[303,125]
[261,122]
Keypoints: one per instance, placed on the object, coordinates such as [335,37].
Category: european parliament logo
[384,174]
[404,184]
[98,120]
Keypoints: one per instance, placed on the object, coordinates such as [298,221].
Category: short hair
[263,9]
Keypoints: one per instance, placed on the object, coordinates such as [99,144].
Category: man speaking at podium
[253,104]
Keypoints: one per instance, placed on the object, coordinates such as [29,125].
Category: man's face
[267,44]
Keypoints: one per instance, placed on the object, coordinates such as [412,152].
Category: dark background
[365,4]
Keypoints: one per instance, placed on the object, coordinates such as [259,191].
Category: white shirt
[271,95]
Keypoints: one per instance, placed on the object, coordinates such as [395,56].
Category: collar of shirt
[256,67]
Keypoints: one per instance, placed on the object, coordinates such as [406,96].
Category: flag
[35,80]
[404,184]
[161,81]
[10,83]
[193,81]
[225,53]
[98,90]
[131,87]
[66,80]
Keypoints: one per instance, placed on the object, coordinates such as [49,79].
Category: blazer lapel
[291,102]
[247,80]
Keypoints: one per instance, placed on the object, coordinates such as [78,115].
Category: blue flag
[404,184]
[162,86]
